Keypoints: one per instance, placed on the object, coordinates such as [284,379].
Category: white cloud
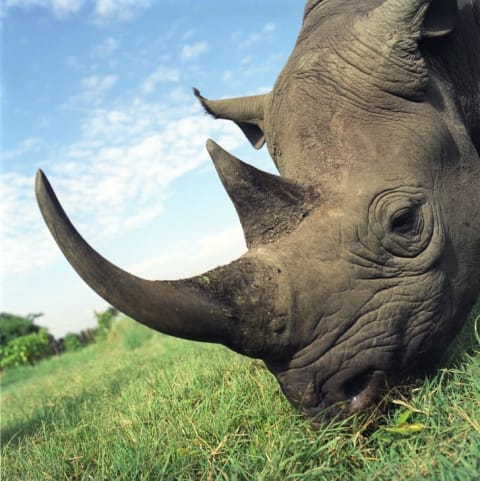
[60,8]
[96,86]
[93,90]
[180,96]
[254,38]
[227,76]
[269,27]
[250,40]
[119,9]
[194,50]
[64,8]
[24,147]
[95,82]
[192,258]
[114,178]
[162,74]
[107,47]
[101,9]
[24,241]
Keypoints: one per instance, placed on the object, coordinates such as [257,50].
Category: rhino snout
[322,391]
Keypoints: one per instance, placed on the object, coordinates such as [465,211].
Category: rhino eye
[403,221]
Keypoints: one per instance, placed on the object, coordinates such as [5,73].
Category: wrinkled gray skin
[364,255]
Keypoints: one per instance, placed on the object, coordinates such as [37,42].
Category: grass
[142,406]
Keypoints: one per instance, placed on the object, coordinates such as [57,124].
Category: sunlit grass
[142,406]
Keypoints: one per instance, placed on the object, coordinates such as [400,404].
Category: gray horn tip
[41,181]
[40,175]
[212,147]
[220,157]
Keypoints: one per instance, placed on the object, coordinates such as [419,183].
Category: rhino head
[363,255]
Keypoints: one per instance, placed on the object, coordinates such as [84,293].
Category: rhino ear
[440,18]
[268,206]
[246,112]
[417,19]
[396,27]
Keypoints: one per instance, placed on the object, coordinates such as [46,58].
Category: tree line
[22,341]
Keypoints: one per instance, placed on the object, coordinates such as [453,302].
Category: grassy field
[141,406]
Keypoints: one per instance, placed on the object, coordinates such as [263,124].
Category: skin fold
[364,252]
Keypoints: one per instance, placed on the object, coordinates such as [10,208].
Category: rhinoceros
[363,255]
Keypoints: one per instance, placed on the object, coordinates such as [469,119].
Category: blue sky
[98,94]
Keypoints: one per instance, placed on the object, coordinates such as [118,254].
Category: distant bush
[13,326]
[26,349]
[105,321]
[72,342]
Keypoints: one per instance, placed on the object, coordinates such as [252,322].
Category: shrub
[13,326]
[105,321]
[26,349]
[71,342]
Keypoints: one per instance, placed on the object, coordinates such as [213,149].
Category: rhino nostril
[357,384]
[362,390]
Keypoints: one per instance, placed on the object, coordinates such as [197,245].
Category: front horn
[234,305]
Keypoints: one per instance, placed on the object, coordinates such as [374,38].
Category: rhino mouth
[338,396]
[351,395]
